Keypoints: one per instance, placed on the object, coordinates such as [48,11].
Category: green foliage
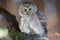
[3,32]
[18,36]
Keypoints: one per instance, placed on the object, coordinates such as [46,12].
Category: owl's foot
[43,38]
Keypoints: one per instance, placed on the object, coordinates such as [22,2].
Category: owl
[32,21]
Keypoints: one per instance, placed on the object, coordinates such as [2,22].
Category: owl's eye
[25,9]
[29,8]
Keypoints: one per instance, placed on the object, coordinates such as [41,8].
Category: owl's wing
[42,19]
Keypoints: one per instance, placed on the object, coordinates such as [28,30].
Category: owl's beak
[28,12]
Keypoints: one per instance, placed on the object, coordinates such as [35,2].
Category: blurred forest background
[50,8]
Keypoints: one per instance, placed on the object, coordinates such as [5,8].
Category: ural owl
[32,20]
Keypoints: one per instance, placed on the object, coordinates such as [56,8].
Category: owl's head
[27,9]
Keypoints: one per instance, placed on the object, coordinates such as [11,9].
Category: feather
[42,19]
